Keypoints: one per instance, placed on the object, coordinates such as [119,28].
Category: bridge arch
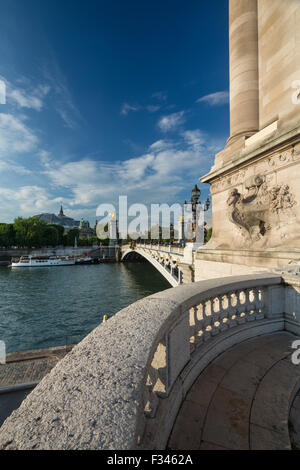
[155,262]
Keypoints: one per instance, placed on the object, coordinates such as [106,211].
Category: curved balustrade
[122,386]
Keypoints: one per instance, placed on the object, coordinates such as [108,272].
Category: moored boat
[42,261]
[84,260]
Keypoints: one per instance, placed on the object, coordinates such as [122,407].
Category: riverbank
[98,253]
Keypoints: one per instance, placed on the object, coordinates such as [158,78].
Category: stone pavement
[242,400]
[29,366]
[21,369]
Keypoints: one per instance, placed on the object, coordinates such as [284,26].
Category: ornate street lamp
[196,193]
[195,202]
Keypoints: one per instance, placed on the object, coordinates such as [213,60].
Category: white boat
[42,261]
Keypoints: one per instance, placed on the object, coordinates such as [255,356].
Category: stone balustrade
[122,386]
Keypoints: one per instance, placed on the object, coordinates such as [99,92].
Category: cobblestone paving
[27,367]
[241,400]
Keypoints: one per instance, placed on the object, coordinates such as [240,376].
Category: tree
[69,238]
[33,232]
[7,235]
[208,235]
[60,232]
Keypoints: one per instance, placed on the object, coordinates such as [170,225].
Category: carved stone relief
[260,209]
[263,167]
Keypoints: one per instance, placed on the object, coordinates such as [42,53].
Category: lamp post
[196,206]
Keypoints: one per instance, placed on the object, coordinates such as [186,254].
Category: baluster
[247,304]
[259,301]
[199,323]
[216,308]
[241,317]
[224,304]
[232,309]
[207,318]
[193,331]
[252,305]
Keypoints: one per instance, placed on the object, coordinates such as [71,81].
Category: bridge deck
[241,400]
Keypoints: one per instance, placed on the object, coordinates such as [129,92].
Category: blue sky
[108,98]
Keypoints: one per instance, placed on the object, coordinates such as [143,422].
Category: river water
[55,306]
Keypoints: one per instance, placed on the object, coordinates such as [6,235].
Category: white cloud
[156,176]
[215,99]
[13,167]
[171,121]
[160,145]
[25,201]
[25,97]
[15,136]
[195,138]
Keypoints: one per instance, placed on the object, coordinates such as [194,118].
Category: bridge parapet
[122,386]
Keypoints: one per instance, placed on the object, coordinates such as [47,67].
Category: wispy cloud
[215,99]
[63,101]
[29,100]
[171,122]
[126,108]
[31,97]
[160,95]
[152,108]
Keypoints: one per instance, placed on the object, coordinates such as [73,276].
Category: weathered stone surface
[89,401]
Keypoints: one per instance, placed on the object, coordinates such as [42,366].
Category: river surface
[55,306]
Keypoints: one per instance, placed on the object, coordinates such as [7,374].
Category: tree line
[35,233]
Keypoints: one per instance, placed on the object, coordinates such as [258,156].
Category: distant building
[85,231]
[59,219]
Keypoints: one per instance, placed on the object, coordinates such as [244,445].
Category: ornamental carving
[264,166]
[260,209]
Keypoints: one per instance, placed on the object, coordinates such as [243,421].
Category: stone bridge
[174,263]
[201,365]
